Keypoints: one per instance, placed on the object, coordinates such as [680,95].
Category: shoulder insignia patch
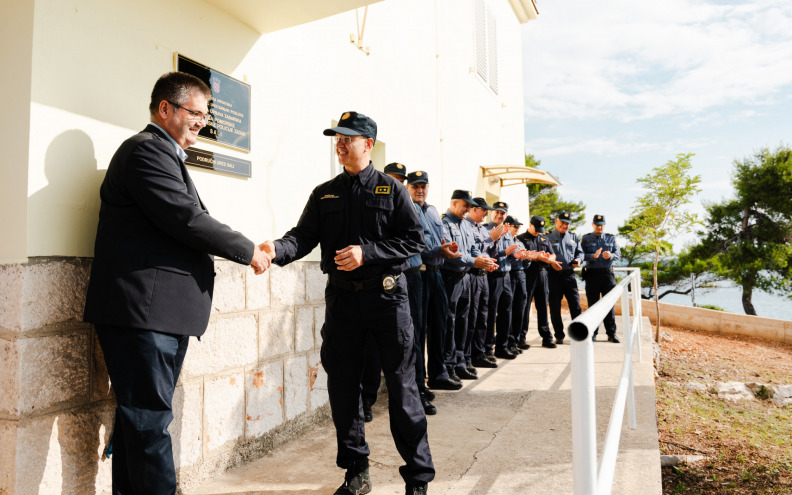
[382,190]
[330,196]
[543,239]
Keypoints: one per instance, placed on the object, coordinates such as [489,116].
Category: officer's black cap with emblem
[564,217]
[500,206]
[482,203]
[354,124]
[513,221]
[538,223]
[396,169]
[464,195]
[599,220]
[418,177]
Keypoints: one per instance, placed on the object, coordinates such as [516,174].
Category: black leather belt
[478,271]
[358,285]
[430,268]
[498,274]
[414,269]
[454,274]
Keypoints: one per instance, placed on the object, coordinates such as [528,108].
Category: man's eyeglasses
[193,115]
[346,139]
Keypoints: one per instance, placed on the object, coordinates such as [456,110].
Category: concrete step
[509,432]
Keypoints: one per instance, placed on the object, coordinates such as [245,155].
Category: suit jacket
[153,259]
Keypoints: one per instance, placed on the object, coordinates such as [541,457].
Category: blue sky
[613,89]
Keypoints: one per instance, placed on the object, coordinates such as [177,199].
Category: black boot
[356,480]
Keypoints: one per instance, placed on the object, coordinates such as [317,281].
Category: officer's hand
[596,254]
[521,254]
[349,258]
[498,231]
[606,255]
[532,255]
[492,268]
[261,260]
[544,256]
[482,261]
[450,250]
[575,263]
[556,266]
[512,248]
[269,248]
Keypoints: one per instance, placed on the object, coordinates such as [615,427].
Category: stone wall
[252,381]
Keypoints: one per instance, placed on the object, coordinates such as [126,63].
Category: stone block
[229,342]
[229,287]
[100,380]
[319,319]
[54,292]
[258,289]
[295,386]
[54,371]
[8,450]
[224,410]
[61,453]
[186,427]
[733,391]
[287,285]
[276,333]
[264,406]
[315,282]
[304,330]
[12,282]
[9,378]
[783,395]
[317,381]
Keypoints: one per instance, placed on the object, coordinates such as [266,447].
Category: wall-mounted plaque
[217,162]
[229,110]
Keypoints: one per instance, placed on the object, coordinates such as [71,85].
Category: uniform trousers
[598,283]
[349,317]
[372,371]
[435,319]
[519,300]
[537,291]
[143,366]
[458,290]
[562,284]
[499,311]
[415,295]
[477,320]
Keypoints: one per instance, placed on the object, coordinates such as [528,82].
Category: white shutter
[492,51]
[481,39]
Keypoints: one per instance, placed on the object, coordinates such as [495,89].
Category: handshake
[262,257]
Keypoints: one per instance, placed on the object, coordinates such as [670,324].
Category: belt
[414,269]
[498,274]
[357,285]
[430,268]
[453,273]
[478,271]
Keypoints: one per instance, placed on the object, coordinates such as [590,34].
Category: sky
[613,89]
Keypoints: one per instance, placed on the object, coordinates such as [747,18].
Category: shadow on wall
[62,217]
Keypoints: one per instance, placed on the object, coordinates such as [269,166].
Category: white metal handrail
[588,480]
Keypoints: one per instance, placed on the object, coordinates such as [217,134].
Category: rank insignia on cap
[418,174]
[382,190]
[566,215]
[345,116]
[399,166]
[541,223]
[599,217]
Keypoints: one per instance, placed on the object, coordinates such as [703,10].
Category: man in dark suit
[152,278]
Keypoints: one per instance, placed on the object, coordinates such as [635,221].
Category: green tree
[545,201]
[686,273]
[752,233]
[660,215]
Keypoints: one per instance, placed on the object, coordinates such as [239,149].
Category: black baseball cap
[538,223]
[513,221]
[354,124]
[599,220]
[564,217]
[418,177]
[396,169]
[482,203]
[464,195]
[500,206]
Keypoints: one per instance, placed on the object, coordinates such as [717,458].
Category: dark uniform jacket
[540,243]
[566,247]
[371,210]
[153,267]
[591,242]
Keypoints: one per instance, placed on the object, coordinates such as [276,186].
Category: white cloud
[632,60]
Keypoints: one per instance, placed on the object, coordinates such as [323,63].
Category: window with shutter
[486,35]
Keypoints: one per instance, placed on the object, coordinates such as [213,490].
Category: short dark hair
[176,87]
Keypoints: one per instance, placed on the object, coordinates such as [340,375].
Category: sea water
[729,297]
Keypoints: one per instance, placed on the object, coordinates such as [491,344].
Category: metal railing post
[628,346]
[584,418]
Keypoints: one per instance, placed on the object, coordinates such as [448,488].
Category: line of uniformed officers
[470,290]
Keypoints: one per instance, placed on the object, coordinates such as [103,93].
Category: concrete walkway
[509,432]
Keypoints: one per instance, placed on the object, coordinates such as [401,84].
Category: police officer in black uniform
[367,228]
[561,278]
[479,290]
[600,251]
[372,369]
[519,289]
[540,255]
